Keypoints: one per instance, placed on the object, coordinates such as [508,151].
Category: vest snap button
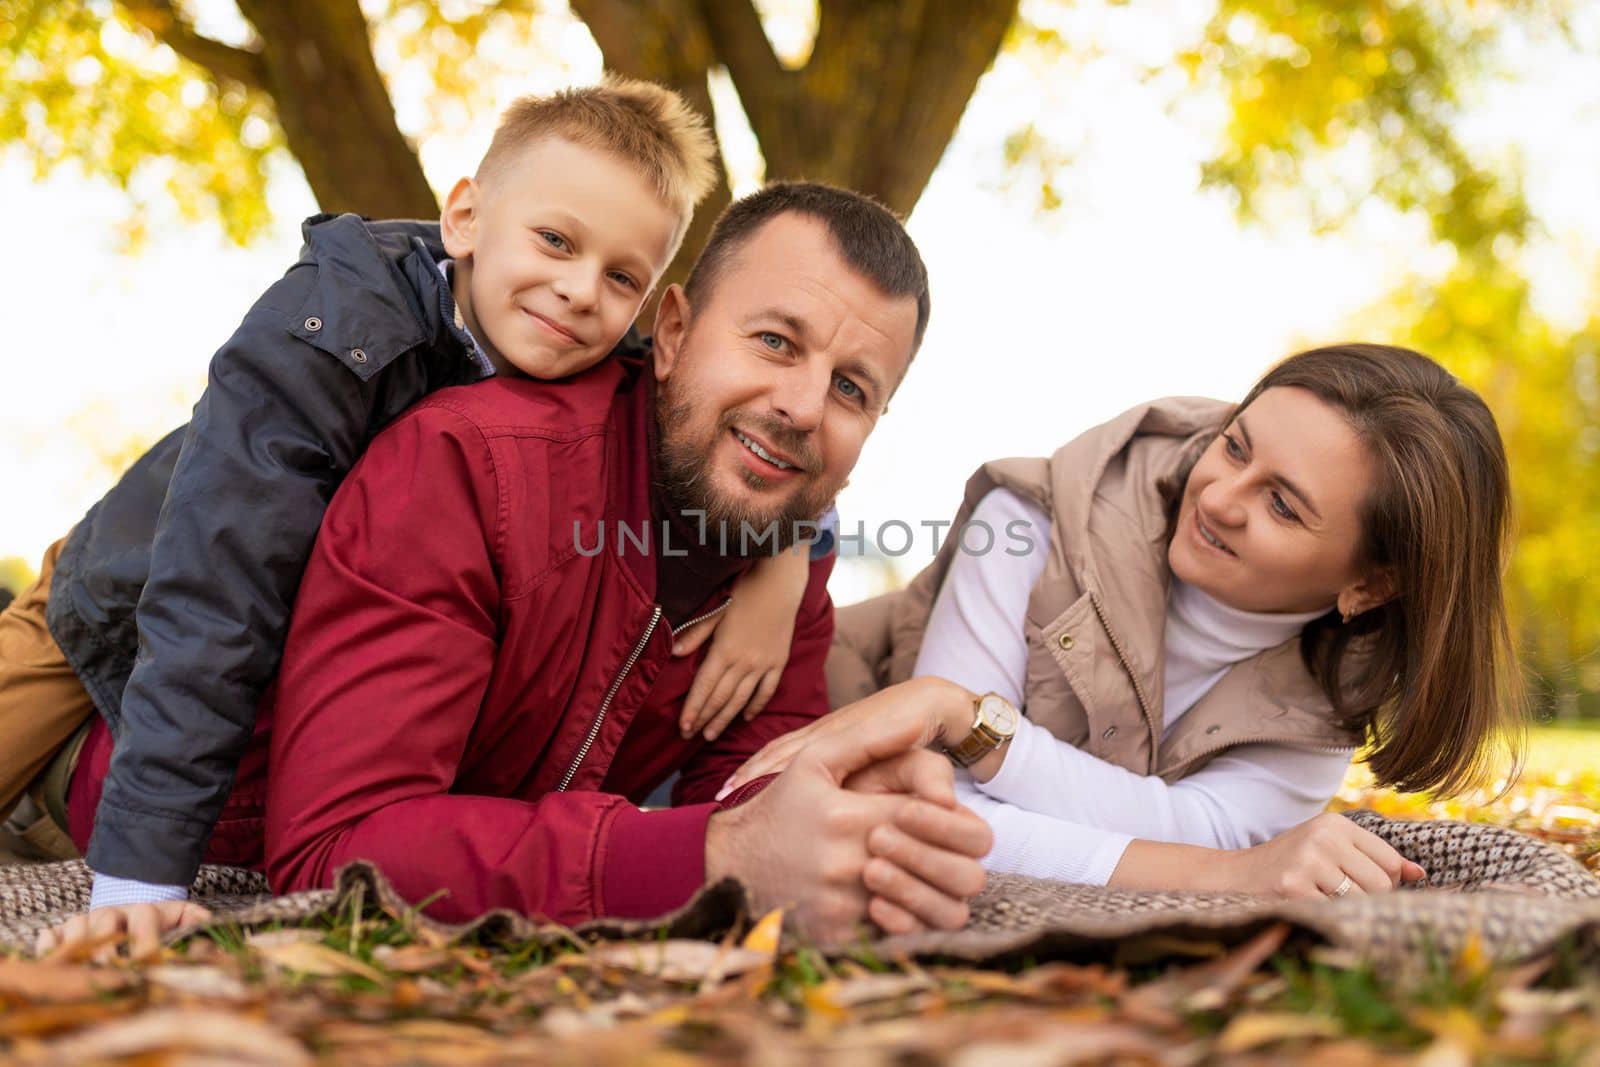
[1110,732]
[1065,641]
[1212,729]
[358,355]
[313,324]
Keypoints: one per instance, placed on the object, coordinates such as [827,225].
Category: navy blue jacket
[171,598]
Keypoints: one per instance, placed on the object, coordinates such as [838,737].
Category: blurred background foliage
[1331,106]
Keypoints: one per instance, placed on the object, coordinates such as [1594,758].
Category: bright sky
[1141,285]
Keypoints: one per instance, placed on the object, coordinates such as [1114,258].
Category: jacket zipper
[616,683]
[605,704]
[702,617]
[1133,675]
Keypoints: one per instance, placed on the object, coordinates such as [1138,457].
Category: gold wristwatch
[993,723]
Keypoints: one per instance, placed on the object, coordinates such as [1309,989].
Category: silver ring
[1342,888]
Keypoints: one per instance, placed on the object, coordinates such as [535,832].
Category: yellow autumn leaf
[766,935]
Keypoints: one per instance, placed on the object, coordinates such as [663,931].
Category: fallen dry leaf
[676,960]
[1254,1029]
[841,994]
[308,957]
[210,982]
[1445,1052]
[414,959]
[1542,1001]
[291,935]
[1209,986]
[221,1035]
[767,934]
[1060,1046]
[43,981]
[41,1020]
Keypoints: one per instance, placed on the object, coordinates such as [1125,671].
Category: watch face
[997,714]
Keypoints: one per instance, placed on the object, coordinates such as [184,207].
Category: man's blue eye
[850,389]
[773,341]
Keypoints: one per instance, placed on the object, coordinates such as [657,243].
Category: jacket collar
[378,292]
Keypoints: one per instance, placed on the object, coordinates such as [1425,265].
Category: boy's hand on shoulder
[103,931]
[750,642]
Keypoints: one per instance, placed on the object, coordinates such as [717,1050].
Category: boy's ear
[672,325]
[458,222]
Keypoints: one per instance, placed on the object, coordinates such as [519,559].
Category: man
[472,691]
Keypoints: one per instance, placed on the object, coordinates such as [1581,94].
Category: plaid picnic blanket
[1508,894]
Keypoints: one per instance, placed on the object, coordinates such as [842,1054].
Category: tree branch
[222,60]
[742,46]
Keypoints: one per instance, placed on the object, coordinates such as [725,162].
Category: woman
[1219,606]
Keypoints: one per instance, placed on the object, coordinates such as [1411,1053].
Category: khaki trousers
[42,703]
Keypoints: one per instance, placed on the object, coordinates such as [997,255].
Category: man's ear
[458,222]
[1373,589]
[672,326]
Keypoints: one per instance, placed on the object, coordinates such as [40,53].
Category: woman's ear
[1373,589]
[672,324]
[458,222]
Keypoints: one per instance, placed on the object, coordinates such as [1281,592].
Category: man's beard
[684,478]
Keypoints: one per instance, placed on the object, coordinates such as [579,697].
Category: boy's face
[555,254]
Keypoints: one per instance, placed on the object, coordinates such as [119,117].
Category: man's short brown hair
[639,122]
[869,236]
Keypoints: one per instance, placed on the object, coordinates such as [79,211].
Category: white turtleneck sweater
[1059,812]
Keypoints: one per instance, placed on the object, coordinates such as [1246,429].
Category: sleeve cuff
[110,891]
[654,861]
[1011,783]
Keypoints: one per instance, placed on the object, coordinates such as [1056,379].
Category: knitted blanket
[1508,895]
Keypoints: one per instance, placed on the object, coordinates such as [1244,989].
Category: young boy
[538,267]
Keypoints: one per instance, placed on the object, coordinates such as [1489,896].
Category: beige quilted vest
[1096,619]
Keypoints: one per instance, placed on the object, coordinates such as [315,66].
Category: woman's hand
[749,649]
[942,708]
[1325,856]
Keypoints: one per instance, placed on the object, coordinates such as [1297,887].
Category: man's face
[555,253]
[769,390]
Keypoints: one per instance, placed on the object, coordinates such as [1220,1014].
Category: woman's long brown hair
[1431,676]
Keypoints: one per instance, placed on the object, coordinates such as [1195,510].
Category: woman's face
[1270,518]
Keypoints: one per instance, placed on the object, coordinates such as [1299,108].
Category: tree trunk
[880,97]
[663,41]
[872,110]
[335,112]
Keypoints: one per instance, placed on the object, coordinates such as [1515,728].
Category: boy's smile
[555,254]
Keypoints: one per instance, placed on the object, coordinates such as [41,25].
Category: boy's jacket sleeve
[279,425]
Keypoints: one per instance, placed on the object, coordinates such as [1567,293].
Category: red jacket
[470,695]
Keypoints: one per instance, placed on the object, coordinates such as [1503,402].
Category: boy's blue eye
[625,280]
[555,240]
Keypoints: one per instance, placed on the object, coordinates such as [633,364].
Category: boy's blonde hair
[639,122]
